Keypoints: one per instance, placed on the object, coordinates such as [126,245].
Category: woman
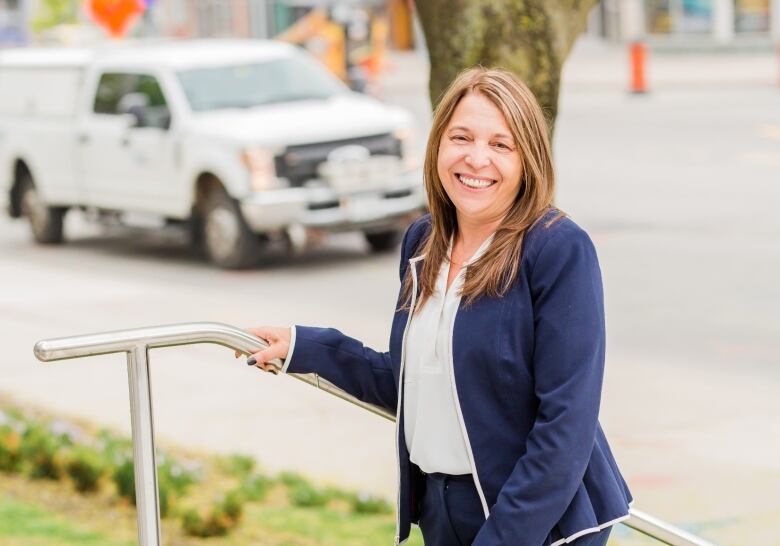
[497,343]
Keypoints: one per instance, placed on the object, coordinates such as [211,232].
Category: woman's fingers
[266,367]
[276,350]
[264,332]
[270,368]
[271,333]
[278,340]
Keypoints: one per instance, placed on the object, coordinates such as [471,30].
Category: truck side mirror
[135,105]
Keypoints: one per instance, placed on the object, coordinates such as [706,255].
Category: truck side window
[113,87]
[148,86]
[157,113]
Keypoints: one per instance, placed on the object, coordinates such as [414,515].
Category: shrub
[124,479]
[176,477]
[10,454]
[164,496]
[307,496]
[238,466]
[339,494]
[193,524]
[114,447]
[223,516]
[233,505]
[255,488]
[364,503]
[41,451]
[291,479]
[66,433]
[85,467]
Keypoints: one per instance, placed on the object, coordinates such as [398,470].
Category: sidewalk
[594,65]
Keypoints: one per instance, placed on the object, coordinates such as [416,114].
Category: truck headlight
[410,153]
[262,171]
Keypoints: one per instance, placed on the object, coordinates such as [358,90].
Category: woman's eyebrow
[463,128]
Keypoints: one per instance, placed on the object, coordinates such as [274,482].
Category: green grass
[30,522]
[328,527]
[27,525]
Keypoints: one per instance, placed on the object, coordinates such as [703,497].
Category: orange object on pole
[115,16]
[638,60]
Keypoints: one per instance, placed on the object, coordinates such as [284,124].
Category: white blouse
[431,421]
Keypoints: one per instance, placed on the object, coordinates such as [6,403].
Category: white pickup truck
[239,142]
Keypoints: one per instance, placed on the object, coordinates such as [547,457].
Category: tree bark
[531,38]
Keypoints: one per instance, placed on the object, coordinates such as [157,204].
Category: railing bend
[135,343]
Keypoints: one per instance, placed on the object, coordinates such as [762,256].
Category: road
[679,190]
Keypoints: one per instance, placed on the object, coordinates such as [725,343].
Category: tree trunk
[531,38]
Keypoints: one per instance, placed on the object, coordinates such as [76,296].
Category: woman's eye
[503,146]
[459,138]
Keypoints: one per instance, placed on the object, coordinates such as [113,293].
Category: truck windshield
[255,84]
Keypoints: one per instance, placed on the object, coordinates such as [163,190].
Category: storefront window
[659,16]
[751,16]
[696,16]
[679,16]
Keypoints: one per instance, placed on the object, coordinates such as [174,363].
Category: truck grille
[299,163]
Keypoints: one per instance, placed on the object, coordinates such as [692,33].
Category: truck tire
[383,241]
[45,222]
[227,240]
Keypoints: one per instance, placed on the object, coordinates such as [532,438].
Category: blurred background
[116,140]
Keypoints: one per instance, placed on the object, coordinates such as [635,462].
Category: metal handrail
[136,344]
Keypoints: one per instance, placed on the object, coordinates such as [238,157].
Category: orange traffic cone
[638,60]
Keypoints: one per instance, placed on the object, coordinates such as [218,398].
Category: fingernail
[251,361]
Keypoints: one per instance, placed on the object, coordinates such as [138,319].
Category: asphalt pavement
[679,191]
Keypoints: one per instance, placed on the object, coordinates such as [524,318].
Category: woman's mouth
[475,183]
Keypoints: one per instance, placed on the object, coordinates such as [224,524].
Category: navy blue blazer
[527,374]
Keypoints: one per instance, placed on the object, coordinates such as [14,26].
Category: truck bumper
[322,208]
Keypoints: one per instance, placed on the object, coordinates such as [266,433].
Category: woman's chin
[473,214]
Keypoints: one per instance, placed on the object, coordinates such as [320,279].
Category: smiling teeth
[475,183]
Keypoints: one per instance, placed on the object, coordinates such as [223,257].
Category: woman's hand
[278,346]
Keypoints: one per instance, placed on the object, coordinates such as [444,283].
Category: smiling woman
[497,346]
[488,165]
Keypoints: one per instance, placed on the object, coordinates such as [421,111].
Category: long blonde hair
[496,269]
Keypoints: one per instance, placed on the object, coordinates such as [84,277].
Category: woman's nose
[477,159]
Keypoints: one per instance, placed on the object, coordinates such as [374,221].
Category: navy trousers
[451,513]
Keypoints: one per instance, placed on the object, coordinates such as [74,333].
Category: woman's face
[479,164]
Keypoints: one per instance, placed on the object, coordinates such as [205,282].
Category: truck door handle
[83,138]
[124,141]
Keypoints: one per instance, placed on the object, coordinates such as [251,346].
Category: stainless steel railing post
[142,425]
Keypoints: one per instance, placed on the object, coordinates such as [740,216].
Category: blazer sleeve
[568,366]
[361,371]
[344,361]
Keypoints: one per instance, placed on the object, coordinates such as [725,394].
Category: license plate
[355,175]
[362,207]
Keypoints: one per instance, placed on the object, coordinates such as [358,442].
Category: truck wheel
[228,241]
[45,221]
[383,241]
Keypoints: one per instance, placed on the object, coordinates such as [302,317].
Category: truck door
[127,152]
